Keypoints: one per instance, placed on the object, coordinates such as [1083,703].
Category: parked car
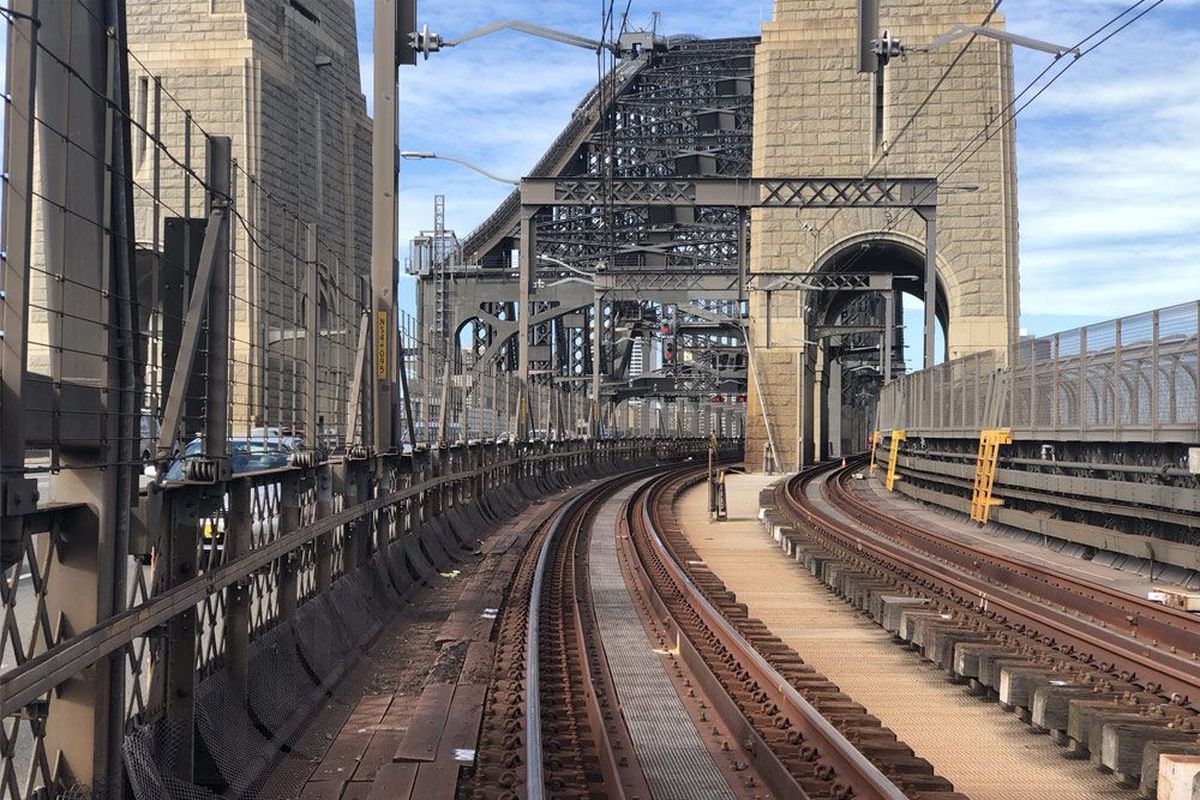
[147,437]
[246,454]
[291,438]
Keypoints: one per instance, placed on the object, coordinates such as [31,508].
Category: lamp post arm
[959,31]
[423,156]
[533,30]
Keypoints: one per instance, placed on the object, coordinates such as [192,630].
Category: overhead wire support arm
[631,44]
[959,31]
[425,41]
[533,30]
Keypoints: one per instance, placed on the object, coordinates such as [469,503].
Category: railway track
[554,726]
[547,728]
[1071,656]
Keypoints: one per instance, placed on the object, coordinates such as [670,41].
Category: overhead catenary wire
[889,147]
[1012,110]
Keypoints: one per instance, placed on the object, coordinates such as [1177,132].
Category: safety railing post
[183,509]
[239,524]
[289,520]
[323,476]
[1152,419]
[1083,380]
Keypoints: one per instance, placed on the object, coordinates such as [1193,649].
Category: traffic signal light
[667,329]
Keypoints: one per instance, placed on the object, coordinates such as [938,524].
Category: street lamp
[560,263]
[420,155]
[631,44]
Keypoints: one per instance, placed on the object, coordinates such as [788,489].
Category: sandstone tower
[281,78]
[816,114]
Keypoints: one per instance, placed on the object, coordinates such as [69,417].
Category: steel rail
[37,676]
[1176,674]
[1168,626]
[850,765]
[571,514]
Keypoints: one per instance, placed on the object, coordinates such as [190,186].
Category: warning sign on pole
[381,345]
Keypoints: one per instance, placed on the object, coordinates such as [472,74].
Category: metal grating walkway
[675,761]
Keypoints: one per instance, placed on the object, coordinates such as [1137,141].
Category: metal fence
[195,533]
[1131,379]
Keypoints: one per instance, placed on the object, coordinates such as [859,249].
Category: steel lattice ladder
[990,442]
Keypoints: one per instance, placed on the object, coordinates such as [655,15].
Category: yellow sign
[381,345]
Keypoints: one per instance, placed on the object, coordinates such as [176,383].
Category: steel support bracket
[35,710]
[21,496]
[305,458]
[207,470]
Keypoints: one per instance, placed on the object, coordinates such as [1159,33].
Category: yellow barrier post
[874,444]
[897,438]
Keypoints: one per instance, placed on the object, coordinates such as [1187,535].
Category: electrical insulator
[887,48]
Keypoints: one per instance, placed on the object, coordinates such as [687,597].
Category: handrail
[32,679]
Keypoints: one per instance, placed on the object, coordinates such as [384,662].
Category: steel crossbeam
[797,192]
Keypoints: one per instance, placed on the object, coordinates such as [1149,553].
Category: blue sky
[1109,157]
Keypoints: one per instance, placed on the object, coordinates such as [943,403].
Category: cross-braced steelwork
[198,531]
[683,113]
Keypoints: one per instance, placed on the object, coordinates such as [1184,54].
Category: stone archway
[816,114]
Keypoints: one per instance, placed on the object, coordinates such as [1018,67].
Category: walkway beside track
[416,714]
[988,754]
[674,759]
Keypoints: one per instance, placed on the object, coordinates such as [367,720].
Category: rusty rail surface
[550,684]
[255,558]
[783,698]
[1140,642]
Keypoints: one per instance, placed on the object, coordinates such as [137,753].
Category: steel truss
[647,193]
[687,112]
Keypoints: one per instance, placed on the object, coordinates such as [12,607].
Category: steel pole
[384,271]
[929,214]
[527,256]
[889,333]
[17,211]
[597,348]
[312,334]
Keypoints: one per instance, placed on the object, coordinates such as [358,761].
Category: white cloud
[1109,157]
[1108,162]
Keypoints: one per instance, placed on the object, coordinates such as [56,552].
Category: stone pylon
[282,81]
[816,114]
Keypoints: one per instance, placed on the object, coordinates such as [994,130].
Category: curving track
[1118,636]
[555,726]
[1110,676]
